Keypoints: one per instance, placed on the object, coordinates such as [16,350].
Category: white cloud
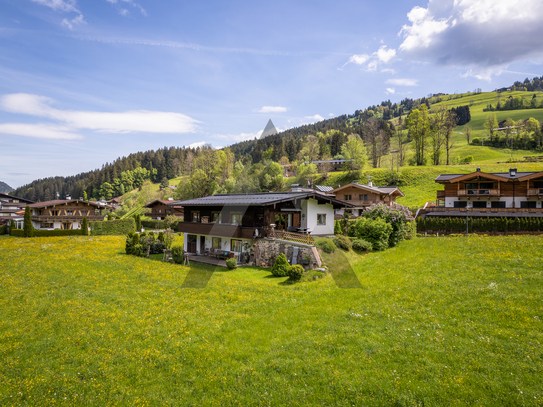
[390,90]
[196,145]
[315,118]
[474,34]
[59,5]
[125,12]
[40,130]
[75,21]
[388,70]
[239,137]
[123,122]
[381,56]
[402,82]
[272,109]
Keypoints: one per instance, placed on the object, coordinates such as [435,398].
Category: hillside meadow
[434,322]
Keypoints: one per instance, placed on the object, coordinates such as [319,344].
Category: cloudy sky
[86,81]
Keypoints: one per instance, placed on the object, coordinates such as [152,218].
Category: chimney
[170,198]
[370,183]
[68,197]
[512,172]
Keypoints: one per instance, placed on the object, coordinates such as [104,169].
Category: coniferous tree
[84,227]
[28,228]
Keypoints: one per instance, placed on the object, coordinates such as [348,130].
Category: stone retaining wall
[267,250]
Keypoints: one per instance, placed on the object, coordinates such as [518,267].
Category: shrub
[28,228]
[361,245]
[295,272]
[337,228]
[411,230]
[114,227]
[177,253]
[375,231]
[137,218]
[11,226]
[476,141]
[129,243]
[396,215]
[467,159]
[137,250]
[161,237]
[326,245]
[3,229]
[342,242]
[157,247]
[233,263]
[280,267]
[85,227]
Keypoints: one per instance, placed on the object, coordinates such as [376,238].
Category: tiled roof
[448,177]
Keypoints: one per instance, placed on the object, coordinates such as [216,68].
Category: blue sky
[86,81]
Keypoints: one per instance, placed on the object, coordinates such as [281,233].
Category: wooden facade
[160,209]
[362,196]
[513,192]
[64,214]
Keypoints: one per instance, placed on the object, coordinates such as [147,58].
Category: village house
[64,214]
[510,194]
[11,207]
[232,221]
[361,196]
[162,208]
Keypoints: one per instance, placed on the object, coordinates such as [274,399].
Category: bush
[467,159]
[3,229]
[280,267]
[28,228]
[396,215]
[177,253]
[295,272]
[326,245]
[476,141]
[137,218]
[113,227]
[233,263]
[411,230]
[137,250]
[337,228]
[375,231]
[129,243]
[361,245]
[11,226]
[85,227]
[343,242]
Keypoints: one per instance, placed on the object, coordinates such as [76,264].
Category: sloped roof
[501,176]
[378,190]
[61,202]
[4,196]
[261,199]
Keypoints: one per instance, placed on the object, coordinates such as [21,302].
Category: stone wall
[267,250]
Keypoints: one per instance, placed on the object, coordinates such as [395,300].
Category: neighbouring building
[11,207]
[64,214]
[162,208]
[360,196]
[232,221]
[482,194]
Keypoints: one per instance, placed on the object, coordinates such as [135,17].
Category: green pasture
[433,322]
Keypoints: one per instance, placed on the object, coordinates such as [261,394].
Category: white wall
[311,209]
[449,202]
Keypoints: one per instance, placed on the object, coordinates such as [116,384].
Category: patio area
[212,261]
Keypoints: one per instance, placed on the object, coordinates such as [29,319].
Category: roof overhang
[531,176]
[477,174]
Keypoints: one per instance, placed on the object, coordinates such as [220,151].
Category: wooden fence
[293,237]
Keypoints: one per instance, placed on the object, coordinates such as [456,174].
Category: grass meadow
[433,322]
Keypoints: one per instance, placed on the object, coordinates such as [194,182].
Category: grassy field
[449,321]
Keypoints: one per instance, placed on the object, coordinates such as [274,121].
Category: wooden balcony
[65,218]
[535,192]
[490,210]
[218,229]
[440,194]
[478,192]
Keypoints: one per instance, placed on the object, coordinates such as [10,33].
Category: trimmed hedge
[4,229]
[47,233]
[161,224]
[458,225]
[113,227]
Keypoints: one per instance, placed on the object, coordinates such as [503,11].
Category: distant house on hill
[161,208]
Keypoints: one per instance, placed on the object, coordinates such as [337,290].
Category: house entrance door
[191,243]
[202,244]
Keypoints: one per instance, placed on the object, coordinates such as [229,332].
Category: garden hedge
[4,229]
[458,225]
[153,223]
[113,227]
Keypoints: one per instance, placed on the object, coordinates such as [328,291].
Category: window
[460,204]
[479,204]
[54,213]
[538,184]
[365,197]
[69,213]
[217,243]
[215,217]
[497,204]
[321,219]
[196,216]
[235,245]
[45,225]
[347,197]
[528,204]
[235,218]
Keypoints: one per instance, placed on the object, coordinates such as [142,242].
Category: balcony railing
[441,194]
[65,218]
[478,192]
[535,192]
[444,209]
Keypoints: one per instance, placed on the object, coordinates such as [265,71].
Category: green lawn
[448,321]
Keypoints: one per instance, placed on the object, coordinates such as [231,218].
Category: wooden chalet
[360,196]
[64,213]
[512,194]
[11,207]
[227,222]
[160,209]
